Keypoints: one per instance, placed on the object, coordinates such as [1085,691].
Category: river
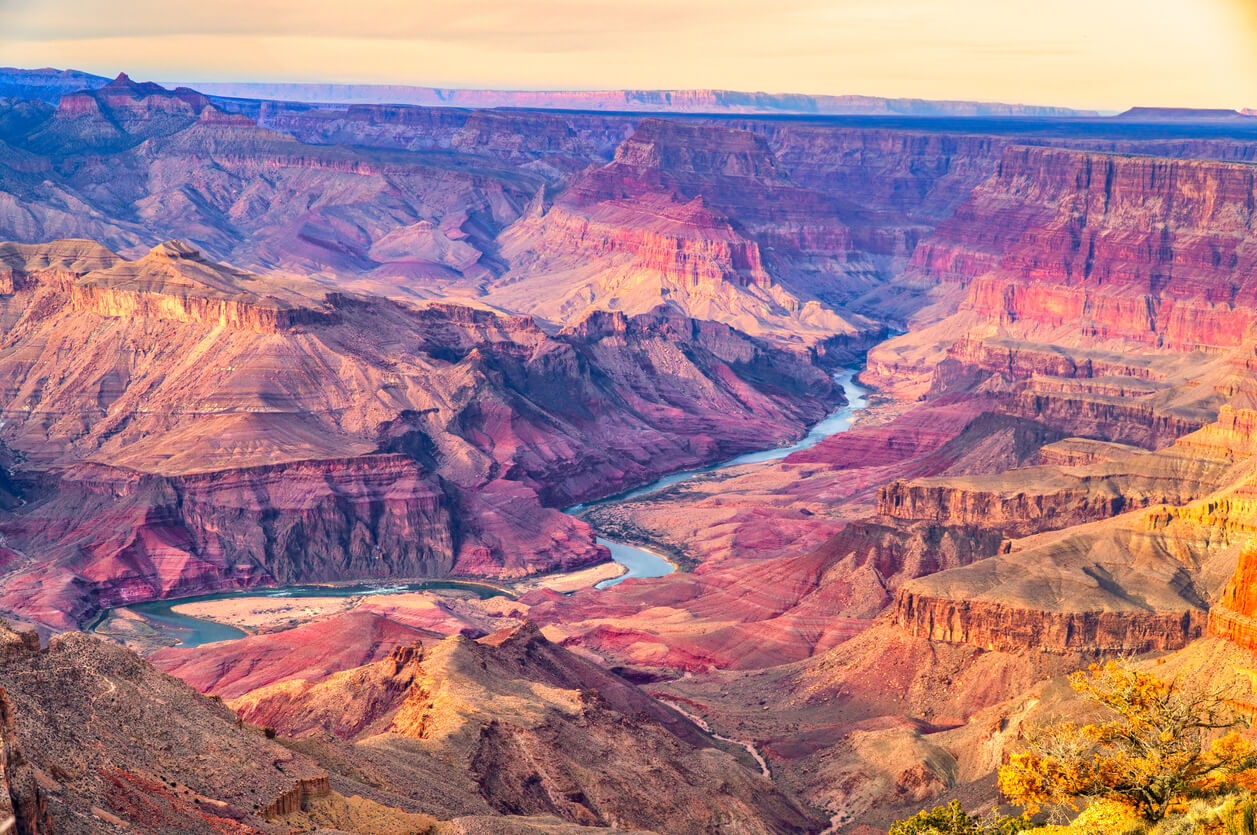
[641,562]
[189,632]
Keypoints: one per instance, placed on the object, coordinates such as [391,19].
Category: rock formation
[563,738]
[92,735]
[1107,246]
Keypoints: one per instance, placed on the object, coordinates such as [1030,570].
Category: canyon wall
[107,538]
[1003,628]
[1157,251]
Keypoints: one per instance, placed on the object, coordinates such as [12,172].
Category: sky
[1105,54]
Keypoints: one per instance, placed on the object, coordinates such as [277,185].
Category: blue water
[638,561]
[643,563]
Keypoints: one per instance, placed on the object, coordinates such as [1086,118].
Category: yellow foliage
[1103,817]
[1150,757]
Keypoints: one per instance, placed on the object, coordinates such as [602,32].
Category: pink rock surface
[310,652]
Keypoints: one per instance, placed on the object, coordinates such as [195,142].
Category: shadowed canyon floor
[249,344]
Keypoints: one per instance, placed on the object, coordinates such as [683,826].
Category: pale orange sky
[1085,53]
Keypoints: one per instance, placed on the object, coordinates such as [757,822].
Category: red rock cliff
[1007,628]
[1160,251]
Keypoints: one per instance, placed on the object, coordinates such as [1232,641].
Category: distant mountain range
[50,84]
[1185,114]
[45,84]
[675,101]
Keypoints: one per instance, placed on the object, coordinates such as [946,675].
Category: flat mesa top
[175,249]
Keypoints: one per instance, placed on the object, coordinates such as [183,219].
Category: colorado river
[641,562]
[192,632]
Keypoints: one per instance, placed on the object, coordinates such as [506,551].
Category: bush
[1103,817]
[1153,756]
[952,819]
[1239,816]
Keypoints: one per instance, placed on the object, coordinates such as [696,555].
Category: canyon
[252,343]
[335,436]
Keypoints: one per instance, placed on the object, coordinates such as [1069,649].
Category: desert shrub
[1239,816]
[1152,756]
[1105,817]
[952,819]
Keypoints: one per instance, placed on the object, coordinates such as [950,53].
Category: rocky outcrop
[1005,628]
[1134,583]
[243,314]
[1080,452]
[294,799]
[23,806]
[59,262]
[1108,417]
[686,243]
[686,213]
[172,282]
[1024,361]
[92,734]
[1233,436]
[1029,500]
[1016,514]
[1234,616]
[154,537]
[119,114]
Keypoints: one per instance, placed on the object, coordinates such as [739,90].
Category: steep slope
[311,653]
[532,729]
[96,740]
[683,213]
[1107,247]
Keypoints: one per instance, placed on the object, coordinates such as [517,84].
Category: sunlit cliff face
[1086,53]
